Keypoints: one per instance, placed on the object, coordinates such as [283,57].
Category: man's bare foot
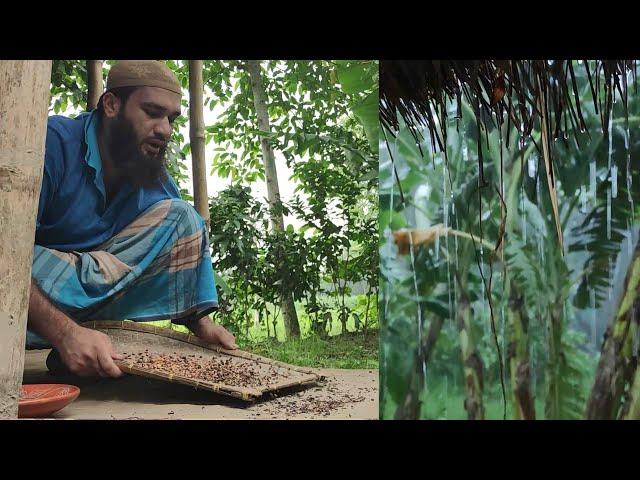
[212,333]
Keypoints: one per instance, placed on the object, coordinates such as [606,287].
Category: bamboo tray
[132,337]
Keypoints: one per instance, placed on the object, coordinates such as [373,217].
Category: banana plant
[536,282]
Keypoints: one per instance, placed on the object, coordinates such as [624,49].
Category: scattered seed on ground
[331,399]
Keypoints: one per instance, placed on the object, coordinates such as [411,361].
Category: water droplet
[608,214]
[583,199]
[592,178]
[610,135]
[533,165]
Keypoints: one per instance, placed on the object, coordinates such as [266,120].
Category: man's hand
[88,352]
[211,333]
[85,352]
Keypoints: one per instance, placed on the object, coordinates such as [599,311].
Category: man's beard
[132,164]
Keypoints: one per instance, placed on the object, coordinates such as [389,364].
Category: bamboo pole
[95,84]
[196,137]
[24,102]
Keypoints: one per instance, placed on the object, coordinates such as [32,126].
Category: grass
[341,351]
[438,404]
[442,402]
[257,331]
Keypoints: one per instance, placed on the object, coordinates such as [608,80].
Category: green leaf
[367,114]
[437,307]
[397,221]
[369,176]
[400,342]
[221,282]
[354,78]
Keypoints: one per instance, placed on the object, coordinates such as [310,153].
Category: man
[114,241]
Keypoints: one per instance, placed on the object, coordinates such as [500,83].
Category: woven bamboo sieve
[133,337]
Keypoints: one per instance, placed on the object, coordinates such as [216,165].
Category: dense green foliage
[323,117]
[563,293]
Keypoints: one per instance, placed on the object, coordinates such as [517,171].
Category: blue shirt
[72,213]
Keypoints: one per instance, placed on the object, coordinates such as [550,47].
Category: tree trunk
[366,315]
[429,342]
[410,408]
[555,364]
[266,322]
[633,408]
[95,84]
[518,354]
[196,138]
[24,102]
[614,366]
[289,314]
[343,320]
[473,367]
[275,326]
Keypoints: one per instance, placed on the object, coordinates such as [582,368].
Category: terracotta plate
[41,400]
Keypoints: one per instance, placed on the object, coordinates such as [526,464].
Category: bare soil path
[343,394]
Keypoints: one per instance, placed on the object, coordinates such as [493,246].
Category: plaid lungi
[157,267]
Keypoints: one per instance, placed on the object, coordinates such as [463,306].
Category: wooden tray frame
[243,393]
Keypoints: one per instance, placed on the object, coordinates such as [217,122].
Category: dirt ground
[343,394]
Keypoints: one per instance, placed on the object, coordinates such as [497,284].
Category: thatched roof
[522,93]
[515,90]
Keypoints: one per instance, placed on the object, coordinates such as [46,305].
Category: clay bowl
[42,400]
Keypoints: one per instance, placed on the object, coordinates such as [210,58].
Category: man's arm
[86,352]
[45,319]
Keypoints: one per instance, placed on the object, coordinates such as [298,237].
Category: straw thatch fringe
[418,92]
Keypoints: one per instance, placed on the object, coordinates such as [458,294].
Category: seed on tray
[238,373]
